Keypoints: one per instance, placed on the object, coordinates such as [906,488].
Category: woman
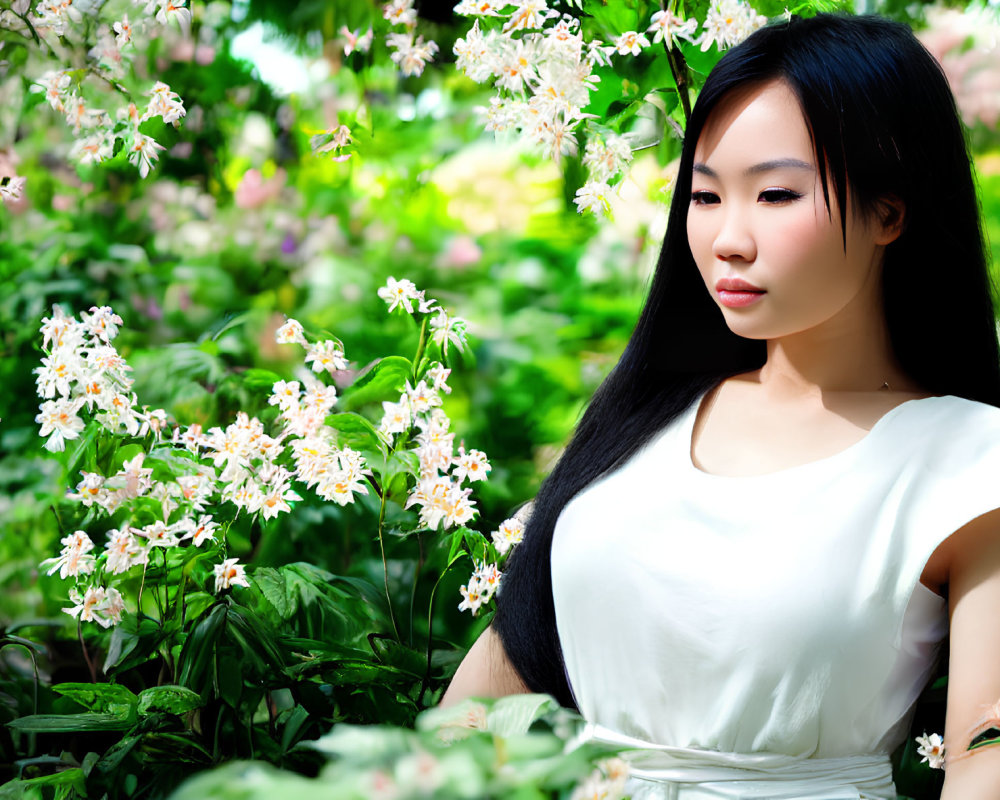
[746,560]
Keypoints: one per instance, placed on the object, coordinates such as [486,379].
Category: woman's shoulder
[951,434]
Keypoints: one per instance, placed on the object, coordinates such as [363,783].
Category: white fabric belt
[660,772]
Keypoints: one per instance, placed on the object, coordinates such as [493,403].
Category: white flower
[174,10]
[510,533]
[593,196]
[480,589]
[729,22]
[516,65]
[56,14]
[290,332]
[55,84]
[400,12]
[447,329]
[477,55]
[158,534]
[230,573]
[480,8]
[932,749]
[326,355]
[101,323]
[421,397]
[58,372]
[411,56]
[355,40]
[89,489]
[59,422]
[471,466]
[400,293]
[142,153]
[437,374]
[134,479]
[164,103]
[396,417]
[605,158]
[631,42]
[74,559]
[123,32]
[11,188]
[80,115]
[123,551]
[668,27]
[530,14]
[100,605]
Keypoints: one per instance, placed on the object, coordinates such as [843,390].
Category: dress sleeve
[953,478]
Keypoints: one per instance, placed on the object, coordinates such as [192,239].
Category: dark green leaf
[356,432]
[71,723]
[102,697]
[383,381]
[171,699]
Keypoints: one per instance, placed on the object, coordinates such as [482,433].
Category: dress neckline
[865,441]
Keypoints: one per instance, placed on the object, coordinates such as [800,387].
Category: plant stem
[416,579]
[86,655]
[678,68]
[385,566]
[421,346]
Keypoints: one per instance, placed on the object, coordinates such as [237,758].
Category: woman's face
[771,254]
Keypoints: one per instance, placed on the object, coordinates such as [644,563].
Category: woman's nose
[734,240]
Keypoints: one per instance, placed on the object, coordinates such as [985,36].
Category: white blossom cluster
[334,473]
[606,782]
[82,368]
[543,71]
[410,54]
[83,373]
[65,26]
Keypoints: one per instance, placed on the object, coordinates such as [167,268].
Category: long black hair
[884,125]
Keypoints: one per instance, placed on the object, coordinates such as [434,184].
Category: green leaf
[171,699]
[515,713]
[356,432]
[198,654]
[68,778]
[383,381]
[117,753]
[71,723]
[134,641]
[260,378]
[103,697]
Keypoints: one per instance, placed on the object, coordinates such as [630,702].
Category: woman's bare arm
[484,672]
[974,678]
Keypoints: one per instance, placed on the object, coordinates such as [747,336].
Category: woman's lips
[737,293]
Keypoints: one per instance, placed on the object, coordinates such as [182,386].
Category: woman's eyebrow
[764,166]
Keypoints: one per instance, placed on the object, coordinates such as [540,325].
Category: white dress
[767,636]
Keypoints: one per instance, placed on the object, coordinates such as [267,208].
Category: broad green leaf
[383,381]
[171,699]
[260,378]
[133,642]
[197,656]
[102,697]
[65,779]
[356,432]
[71,723]
[515,713]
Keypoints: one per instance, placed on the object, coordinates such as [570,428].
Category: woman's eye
[704,198]
[778,195]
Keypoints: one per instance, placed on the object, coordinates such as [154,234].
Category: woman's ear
[890,217]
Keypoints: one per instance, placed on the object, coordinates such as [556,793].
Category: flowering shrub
[91,80]
[165,500]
